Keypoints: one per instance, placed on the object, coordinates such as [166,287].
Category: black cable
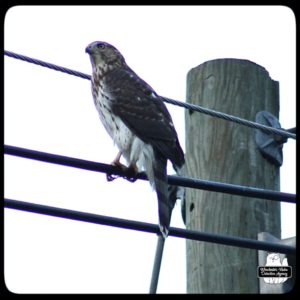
[46,64]
[193,107]
[147,227]
[172,180]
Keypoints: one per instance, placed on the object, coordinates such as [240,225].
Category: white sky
[54,112]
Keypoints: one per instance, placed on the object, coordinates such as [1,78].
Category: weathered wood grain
[223,151]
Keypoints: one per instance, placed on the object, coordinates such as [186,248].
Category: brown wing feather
[142,110]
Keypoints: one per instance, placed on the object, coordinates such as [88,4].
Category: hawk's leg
[131,171]
[116,162]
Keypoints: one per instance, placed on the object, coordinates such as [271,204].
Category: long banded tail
[161,187]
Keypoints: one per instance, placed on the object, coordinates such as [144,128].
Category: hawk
[137,120]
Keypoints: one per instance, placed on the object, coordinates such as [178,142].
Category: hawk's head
[104,54]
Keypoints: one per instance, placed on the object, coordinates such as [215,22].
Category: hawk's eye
[100,46]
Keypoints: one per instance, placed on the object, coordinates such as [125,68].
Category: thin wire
[193,107]
[46,64]
[172,180]
[147,227]
[157,264]
[213,113]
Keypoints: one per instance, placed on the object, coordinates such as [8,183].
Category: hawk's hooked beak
[88,49]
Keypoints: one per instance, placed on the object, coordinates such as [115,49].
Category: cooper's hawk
[137,120]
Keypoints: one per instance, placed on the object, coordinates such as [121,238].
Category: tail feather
[180,171]
[161,187]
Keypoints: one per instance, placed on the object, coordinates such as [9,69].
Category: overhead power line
[46,64]
[147,227]
[172,180]
[192,107]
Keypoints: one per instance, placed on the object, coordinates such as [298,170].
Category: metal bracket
[270,145]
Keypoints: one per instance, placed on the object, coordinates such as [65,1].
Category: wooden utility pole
[223,151]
